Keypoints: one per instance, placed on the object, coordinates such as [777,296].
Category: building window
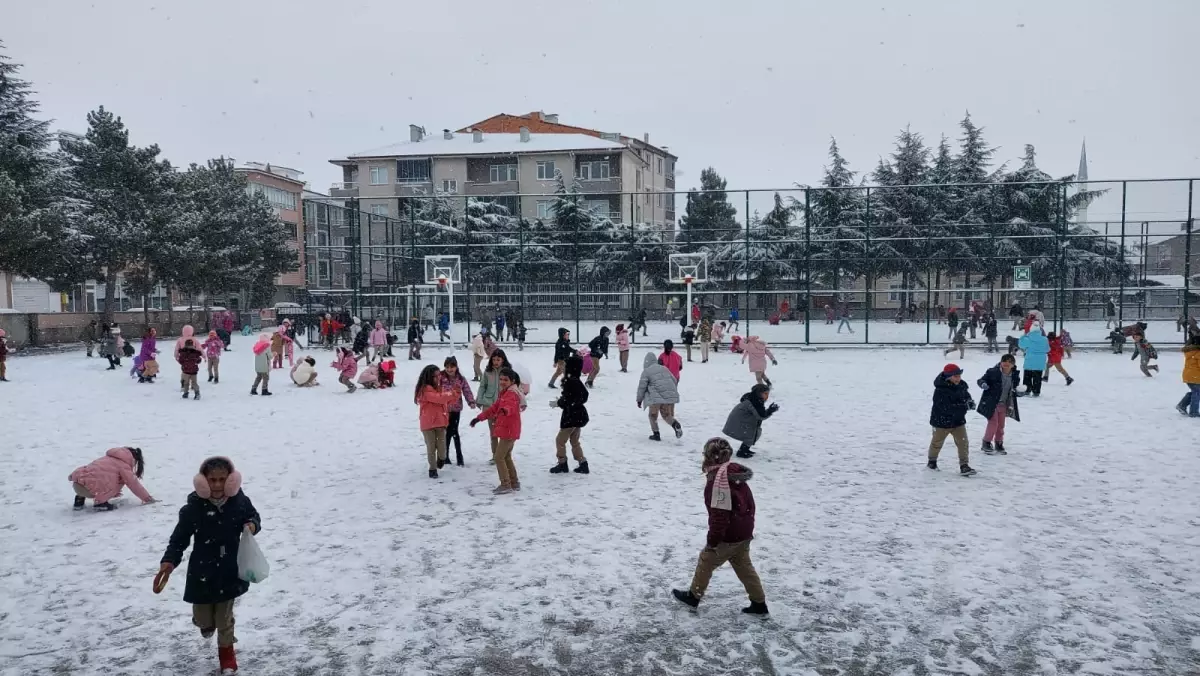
[413,171]
[671,168]
[323,271]
[893,293]
[599,170]
[379,176]
[638,179]
[545,169]
[545,209]
[379,212]
[660,166]
[280,199]
[499,173]
[600,208]
[291,229]
[450,186]
[1164,257]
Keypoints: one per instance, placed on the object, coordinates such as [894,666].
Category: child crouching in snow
[212,353]
[214,517]
[730,505]
[304,373]
[369,378]
[103,479]
[347,366]
[387,374]
[506,412]
[745,420]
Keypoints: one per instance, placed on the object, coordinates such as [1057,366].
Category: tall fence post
[1187,260]
[747,258]
[870,271]
[575,276]
[807,266]
[464,271]
[1062,260]
[1124,274]
[928,282]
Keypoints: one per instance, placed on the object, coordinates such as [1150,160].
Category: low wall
[59,328]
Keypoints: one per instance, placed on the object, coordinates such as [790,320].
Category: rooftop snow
[492,144]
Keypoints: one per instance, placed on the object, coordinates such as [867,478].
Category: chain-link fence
[898,263]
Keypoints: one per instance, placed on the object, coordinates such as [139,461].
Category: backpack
[1151,353]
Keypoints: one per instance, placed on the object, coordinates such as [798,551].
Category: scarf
[722,497]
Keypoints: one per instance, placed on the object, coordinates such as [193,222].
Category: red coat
[189,360]
[1056,351]
[507,414]
[736,525]
[673,362]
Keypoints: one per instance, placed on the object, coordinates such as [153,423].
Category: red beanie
[951,370]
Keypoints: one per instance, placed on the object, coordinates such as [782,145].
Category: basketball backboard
[439,267]
[685,265]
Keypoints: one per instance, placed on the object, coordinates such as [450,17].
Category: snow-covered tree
[838,241]
[708,215]
[901,211]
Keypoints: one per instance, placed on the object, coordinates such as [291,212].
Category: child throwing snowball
[212,521]
[758,353]
[507,429]
[103,479]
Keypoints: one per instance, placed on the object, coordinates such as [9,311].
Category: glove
[773,407]
[639,404]
[983,386]
[164,574]
[774,363]
[553,403]
[474,422]
[971,404]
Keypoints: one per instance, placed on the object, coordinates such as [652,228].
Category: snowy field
[1079,552]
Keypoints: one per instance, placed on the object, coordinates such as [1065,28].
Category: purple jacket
[448,385]
[149,347]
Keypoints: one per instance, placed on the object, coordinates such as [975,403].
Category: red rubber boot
[228,659]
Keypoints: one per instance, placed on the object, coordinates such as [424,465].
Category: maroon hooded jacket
[737,524]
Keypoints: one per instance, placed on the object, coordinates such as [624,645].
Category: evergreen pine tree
[837,232]
[901,211]
[708,215]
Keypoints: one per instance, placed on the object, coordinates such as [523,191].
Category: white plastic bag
[252,565]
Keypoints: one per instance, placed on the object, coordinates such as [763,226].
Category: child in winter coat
[347,366]
[952,321]
[4,356]
[212,520]
[688,337]
[718,332]
[103,479]
[990,331]
[1068,343]
[361,343]
[379,342]
[415,340]
[1054,358]
[521,333]
[369,378]
[598,348]
[1142,348]
[478,353]
[745,420]
[1190,404]
[262,364]
[659,392]
[758,353]
[704,336]
[562,350]
[145,365]
[1036,349]
[277,349]
[434,416]
[671,360]
[960,341]
[1014,345]
[623,347]
[190,357]
[212,353]
[735,344]
[948,417]
[452,380]
[573,403]
[999,402]
[506,411]
[730,505]
[304,373]
[356,328]
[387,374]
[489,389]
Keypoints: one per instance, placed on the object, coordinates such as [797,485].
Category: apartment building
[506,156]
[284,189]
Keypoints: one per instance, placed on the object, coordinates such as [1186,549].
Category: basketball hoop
[687,279]
[441,282]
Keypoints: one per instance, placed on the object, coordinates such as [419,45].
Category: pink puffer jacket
[757,352]
[105,477]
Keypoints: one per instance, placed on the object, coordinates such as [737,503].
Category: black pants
[452,435]
[114,361]
[1033,381]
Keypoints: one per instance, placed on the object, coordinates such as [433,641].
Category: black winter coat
[599,346]
[688,336]
[572,402]
[993,379]
[360,341]
[989,329]
[952,318]
[414,334]
[950,403]
[562,350]
[212,574]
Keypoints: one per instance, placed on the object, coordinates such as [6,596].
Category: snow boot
[685,597]
[216,380]
[745,452]
[1070,380]
[552,385]
[1182,409]
[932,464]
[433,474]
[988,448]
[1000,448]
[207,632]
[104,507]
[228,659]
[966,470]
[502,490]
[560,468]
[768,382]
[583,468]
[185,395]
[254,391]
[459,459]
[678,429]
[589,384]
[655,437]
[266,393]
[441,462]
[756,608]
[197,397]
[79,503]
[210,378]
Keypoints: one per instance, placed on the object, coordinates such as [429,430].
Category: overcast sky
[754,88]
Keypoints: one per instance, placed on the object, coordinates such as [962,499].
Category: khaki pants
[625,360]
[217,616]
[595,370]
[435,445]
[478,361]
[505,469]
[189,380]
[214,367]
[492,437]
[737,554]
[704,350]
[570,434]
[559,367]
[960,440]
[264,378]
[667,411]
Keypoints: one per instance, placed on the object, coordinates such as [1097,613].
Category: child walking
[190,357]
[562,350]
[598,349]
[718,332]
[573,403]
[506,411]
[990,331]
[730,505]
[453,380]
[671,360]
[658,391]
[1143,349]
[103,479]
[758,353]
[1037,349]
[998,402]
[434,415]
[745,420]
[948,417]
[1190,404]
[347,365]
[379,342]
[277,348]
[623,347]
[212,520]
[262,365]
[212,352]
[960,342]
[521,333]
[689,336]
[415,340]
[704,335]
[1054,358]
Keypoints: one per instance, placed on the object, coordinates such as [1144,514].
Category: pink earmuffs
[232,485]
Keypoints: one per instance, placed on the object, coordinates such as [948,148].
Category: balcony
[600,185]
[413,187]
[670,179]
[490,188]
[344,189]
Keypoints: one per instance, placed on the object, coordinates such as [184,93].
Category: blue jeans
[1191,400]
[844,322]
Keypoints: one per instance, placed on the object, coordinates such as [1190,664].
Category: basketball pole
[688,280]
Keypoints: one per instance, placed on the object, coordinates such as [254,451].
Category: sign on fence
[1022,277]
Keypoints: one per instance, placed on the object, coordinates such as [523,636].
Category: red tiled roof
[511,124]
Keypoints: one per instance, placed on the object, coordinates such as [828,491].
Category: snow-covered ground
[1077,553]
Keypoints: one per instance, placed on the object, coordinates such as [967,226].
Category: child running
[1054,358]
[1190,404]
[745,420]
[730,505]
[623,347]
[507,429]
[347,365]
[212,352]
[658,391]
[452,380]
[948,417]
[103,479]
[999,402]
[960,342]
[573,403]
[598,349]
[189,358]
[562,350]
[1143,349]
[212,520]
[434,416]
[758,353]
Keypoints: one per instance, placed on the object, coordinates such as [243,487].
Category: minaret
[1081,215]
